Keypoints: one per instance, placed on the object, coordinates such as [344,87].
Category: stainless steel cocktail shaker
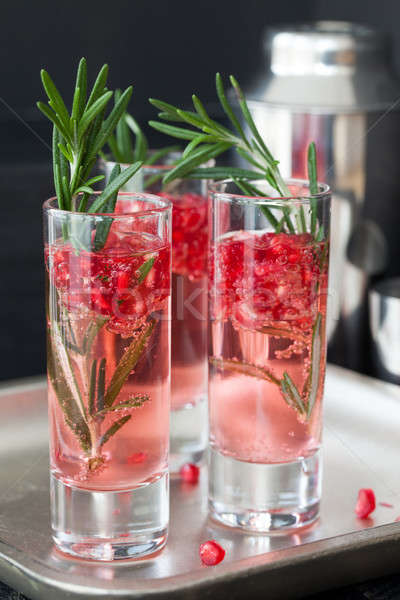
[329,82]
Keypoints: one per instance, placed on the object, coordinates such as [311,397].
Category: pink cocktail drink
[267,366]
[265,319]
[108,327]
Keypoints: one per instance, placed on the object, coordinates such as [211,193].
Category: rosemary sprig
[145,269]
[208,139]
[78,138]
[303,402]
[128,363]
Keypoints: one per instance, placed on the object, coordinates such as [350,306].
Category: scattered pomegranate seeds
[189,473]
[386,504]
[211,553]
[365,503]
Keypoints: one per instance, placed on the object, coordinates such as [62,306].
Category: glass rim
[323,194]
[166,206]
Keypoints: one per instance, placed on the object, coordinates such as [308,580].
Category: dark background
[167,50]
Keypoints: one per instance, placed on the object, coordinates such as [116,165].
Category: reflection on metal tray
[362,449]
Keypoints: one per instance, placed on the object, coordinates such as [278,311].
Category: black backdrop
[166,49]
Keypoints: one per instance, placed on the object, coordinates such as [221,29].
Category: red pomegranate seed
[365,503]
[211,553]
[136,458]
[386,504]
[189,473]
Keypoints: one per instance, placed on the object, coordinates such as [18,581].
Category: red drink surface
[106,290]
[268,291]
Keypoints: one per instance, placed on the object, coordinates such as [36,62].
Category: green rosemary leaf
[64,367]
[111,121]
[91,113]
[291,394]
[312,169]
[165,107]
[99,86]
[145,269]
[244,368]
[248,118]
[303,220]
[103,227]
[159,154]
[83,203]
[279,227]
[320,235]
[286,215]
[57,169]
[66,398]
[197,158]
[178,132]
[313,184]
[250,159]
[316,349]
[66,192]
[65,152]
[141,145]
[200,139]
[113,429]
[250,190]
[204,123]
[101,384]
[91,333]
[55,98]
[76,104]
[136,401]
[128,363]
[95,179]
[92,389]
[114,187]
[169,117]
[86,189]
[81,83]
[227,108]
[46,110]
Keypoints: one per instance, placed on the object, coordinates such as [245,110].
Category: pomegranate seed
[211,553]
[136,458]
[386,504]
[365,503]
[189,473]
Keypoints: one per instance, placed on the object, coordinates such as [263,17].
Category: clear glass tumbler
[268,292]
[188,433]
[108,341]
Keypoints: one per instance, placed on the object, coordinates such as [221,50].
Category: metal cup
[384,305]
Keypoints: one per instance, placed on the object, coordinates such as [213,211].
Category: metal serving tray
[361,449]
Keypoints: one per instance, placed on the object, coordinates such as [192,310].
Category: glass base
[188,434]
[264,497]
[110,525]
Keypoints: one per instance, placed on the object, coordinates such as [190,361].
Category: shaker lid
[326,66]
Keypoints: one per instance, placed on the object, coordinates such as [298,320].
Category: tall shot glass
[108,341]
[268,291]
